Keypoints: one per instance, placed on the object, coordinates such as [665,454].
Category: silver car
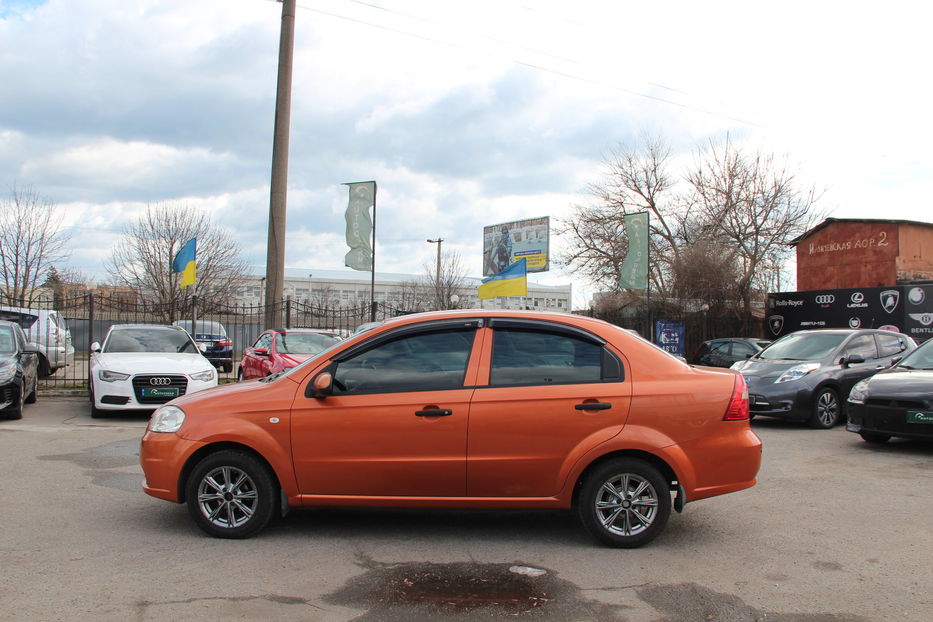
[47,331]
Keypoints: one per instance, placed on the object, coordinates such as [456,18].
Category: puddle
[467,591]
[99,462]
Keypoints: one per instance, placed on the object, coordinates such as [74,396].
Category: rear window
[26,320]
[204,327]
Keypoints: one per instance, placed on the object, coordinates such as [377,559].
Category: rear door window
[890,345]
[528,357]
[863,345]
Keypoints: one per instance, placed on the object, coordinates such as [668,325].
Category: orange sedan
[462,409]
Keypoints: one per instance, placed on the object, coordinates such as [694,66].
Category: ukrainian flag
[186,263]
[512,281]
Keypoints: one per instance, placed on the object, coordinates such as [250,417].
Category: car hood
[899,382]
[153,362]
[762,367]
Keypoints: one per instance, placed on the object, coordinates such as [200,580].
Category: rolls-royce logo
[160,381]
[776,322]
[857,297]
[825,299]
[889,299]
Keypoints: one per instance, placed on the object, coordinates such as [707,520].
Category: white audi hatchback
[142,366]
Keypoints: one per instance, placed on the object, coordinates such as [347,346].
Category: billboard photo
[507,242]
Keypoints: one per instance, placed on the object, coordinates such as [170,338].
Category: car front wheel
[624,503]
[827,409]
[34,394]
[231,494]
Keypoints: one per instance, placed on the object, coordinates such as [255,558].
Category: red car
[281,348]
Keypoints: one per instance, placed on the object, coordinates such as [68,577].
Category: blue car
[212,338]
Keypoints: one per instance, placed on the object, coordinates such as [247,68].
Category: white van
[48,332]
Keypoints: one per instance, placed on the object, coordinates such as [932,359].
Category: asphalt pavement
[836,530]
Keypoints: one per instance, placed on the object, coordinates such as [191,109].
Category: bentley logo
[160,381]
[924,318]
[889,299]
[776,322]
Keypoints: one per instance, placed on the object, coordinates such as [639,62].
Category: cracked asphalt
[837,530]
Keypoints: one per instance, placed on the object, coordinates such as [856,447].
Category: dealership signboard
[507,242]
[906,309]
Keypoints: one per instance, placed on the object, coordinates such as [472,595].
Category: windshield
[802,346]
[921,358]
[7,340]
[304,343]
[149,340]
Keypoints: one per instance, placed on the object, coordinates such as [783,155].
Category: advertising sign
[670,336]
[507,242]
[906,309]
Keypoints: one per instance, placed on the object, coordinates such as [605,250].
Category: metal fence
[89,317]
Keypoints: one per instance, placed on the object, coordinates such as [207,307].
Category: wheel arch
[654,460]
[213,448]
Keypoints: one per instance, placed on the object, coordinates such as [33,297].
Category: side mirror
[323,385]
[853,359]
[95,347]
[261,352]
[896,360]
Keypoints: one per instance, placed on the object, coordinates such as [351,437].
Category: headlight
[797,371]
[859,392]
[167,419]
[111,376]
[203,376]
[7,372]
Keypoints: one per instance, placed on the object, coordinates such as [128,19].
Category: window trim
[401,331]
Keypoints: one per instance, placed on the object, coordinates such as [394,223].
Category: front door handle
[434,412]
[593,406]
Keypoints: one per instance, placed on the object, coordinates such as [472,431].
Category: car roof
[125,326]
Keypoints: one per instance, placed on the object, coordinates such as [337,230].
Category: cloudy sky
[466,113]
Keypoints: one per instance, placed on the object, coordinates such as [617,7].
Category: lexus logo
[161,381]
[825,299]
[858,297]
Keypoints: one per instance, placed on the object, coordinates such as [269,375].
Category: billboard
[507,242]
[906,309]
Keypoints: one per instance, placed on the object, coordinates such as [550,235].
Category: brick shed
[844,253]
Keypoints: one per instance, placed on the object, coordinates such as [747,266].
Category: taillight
[738,405]
[225,343]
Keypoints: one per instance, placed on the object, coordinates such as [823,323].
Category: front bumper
[885,420]
[786,400]
[162,457]
[121,395]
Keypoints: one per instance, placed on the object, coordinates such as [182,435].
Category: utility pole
[438,294]
[275,249]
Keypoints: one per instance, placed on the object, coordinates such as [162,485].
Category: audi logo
[858,297]
[825,299]
[160,381]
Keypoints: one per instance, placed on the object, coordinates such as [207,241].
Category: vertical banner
[671,335]
[634,271]
[360,225]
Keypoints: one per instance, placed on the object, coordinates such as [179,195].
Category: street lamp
[437,278]
[309,287]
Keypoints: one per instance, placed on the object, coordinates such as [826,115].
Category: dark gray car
[806,376]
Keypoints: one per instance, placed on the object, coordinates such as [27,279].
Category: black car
[727,351]
[806,376]
[212,338]
[897,401]
[19,375]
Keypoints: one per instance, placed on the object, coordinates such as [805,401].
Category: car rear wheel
[874,437]
[827,409]
[624,503]
[227,368]
[231,494]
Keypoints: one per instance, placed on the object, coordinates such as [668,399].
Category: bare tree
[637,179]
[447,285]
[31,241]
[755,205]
[411,296]
[143,258]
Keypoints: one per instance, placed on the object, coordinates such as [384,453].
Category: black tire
[827,409]
[96,413]
[641,514]
[45,370]
[875,437]
[17,411]
[239,374]
[245,502]
[227,367]
[33,395]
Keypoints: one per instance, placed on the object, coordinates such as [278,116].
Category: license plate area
[919,416]
[159,392]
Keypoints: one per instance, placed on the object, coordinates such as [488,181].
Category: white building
[351,288]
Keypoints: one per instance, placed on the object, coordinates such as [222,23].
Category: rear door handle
[434,412]
[593,406]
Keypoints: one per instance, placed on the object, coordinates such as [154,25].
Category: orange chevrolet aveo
[462,409]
